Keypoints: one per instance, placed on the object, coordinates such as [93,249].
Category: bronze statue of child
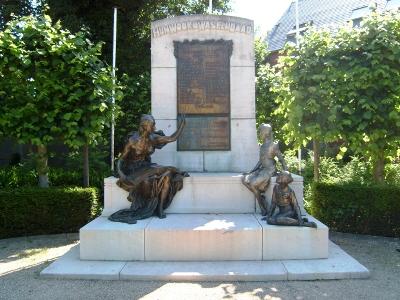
[258,179]
[284,198]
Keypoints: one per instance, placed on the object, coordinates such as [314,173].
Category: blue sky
[265,13]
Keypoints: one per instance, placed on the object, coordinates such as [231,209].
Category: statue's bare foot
[309,224]
[162,215]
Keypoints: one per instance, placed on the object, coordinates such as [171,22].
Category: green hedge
[31,211]
[358,209]
[20,176]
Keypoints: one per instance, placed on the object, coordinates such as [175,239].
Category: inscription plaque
[203,92]
[205,133]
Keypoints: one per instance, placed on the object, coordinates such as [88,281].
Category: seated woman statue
[258,179]
[151,187]
[284,198]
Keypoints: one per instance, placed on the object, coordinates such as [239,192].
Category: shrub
[357,208]
[24,176]
[30,211]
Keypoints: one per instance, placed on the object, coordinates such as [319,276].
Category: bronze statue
[151,187]
[284,197]
[258,179]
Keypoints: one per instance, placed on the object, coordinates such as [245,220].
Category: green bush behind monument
[357,209]
[32,210]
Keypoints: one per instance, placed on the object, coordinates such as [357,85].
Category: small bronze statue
[151,187]
[258,179]
[289,211]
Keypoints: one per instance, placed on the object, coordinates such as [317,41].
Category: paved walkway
[22,259]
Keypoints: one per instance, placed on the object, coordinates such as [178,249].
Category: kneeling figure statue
[284,198]
[151,187]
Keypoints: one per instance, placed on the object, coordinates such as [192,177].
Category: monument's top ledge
[201,23]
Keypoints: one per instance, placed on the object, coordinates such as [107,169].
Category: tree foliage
[133,39]
[345,85]
[52,85]
[265,96]
[134,19]
[133,42]
[8,8]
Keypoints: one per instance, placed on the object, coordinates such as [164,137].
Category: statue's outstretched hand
[182,120]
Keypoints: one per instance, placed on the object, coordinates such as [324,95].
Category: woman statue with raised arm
[258,179]
[151,187]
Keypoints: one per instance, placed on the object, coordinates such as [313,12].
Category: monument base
[338,265]
[203,193]
[201,237]
[196,244]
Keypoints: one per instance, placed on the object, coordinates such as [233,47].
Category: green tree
[346,86]
[368,72]
[306,93]
[8,8]
[134,19]
[265,96]
[52,85]
[133,41]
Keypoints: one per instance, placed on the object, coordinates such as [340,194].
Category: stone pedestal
[243,154]
[203,193]
[201,237]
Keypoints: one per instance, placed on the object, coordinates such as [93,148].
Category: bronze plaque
[205,133]
[203,93]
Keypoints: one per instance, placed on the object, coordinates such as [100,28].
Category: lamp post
[114,59]
[297,45]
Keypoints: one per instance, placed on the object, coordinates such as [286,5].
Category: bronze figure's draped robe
[151,187]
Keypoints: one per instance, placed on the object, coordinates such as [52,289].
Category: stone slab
[201,193]
[203,237]
[102,239]
[164,93]
[339,265]
[162,48]
[294,242]
[226,195]
[243,87]
[69,266]
[115,198]
[205,271]
[213,193]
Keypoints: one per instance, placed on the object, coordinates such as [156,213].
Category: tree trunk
[86,165]
[41,166]
[379,168]
[316,149]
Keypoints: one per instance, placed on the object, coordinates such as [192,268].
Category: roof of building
[319,13]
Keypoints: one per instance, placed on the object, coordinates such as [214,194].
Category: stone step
[202,193]
[338,265]
[201,237]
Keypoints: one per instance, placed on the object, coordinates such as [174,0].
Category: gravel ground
[22,259]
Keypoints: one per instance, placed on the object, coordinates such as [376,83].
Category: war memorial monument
[194,193]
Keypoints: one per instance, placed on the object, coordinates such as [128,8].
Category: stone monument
[203,69]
